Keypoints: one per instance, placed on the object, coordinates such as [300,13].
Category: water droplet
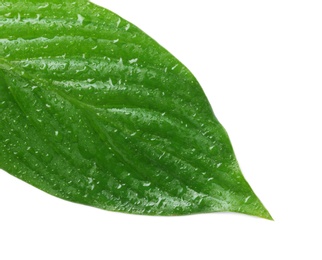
[118,22]
[247,199]
[174,66]
[133,60]
[146,184]
[160,157]
[43,6]
[80,19]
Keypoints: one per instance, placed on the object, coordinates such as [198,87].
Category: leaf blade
[114,112]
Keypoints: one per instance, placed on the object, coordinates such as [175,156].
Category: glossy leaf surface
[94,111]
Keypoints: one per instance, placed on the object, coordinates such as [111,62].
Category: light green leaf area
[94,111]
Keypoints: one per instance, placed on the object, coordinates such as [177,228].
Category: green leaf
[94,111]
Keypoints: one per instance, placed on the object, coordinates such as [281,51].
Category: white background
[260,64]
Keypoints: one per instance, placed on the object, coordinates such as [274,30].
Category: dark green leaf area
[94,111]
